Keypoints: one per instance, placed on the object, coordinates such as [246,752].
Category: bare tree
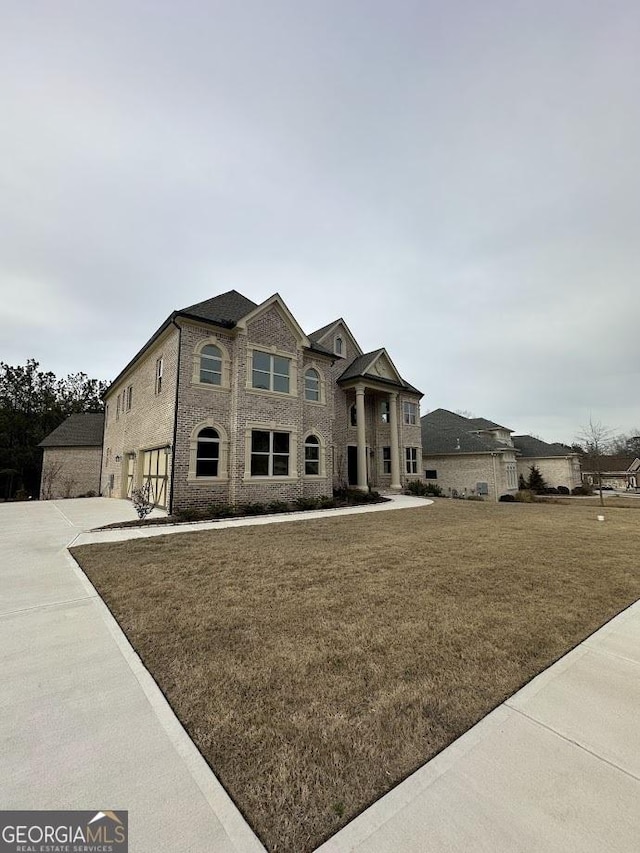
[596,440]
[68,484]
[50,476]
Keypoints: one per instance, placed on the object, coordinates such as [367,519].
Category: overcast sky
[459,180]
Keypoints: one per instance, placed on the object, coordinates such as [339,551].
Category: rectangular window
[270,372]
[129,397]
[385,413]
[159,371]
[269,453]
[410,412]
[386,460]
[431,474]
[118,407]
[411,457]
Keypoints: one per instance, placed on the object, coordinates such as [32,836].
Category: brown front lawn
[316,664]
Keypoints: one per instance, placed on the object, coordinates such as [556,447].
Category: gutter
[175,414]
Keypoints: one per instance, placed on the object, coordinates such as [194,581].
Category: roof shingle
[79,430]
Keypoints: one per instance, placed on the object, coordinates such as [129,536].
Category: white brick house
[231,402]
[478,456]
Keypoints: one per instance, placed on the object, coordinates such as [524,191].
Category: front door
[131,469]
[352,465]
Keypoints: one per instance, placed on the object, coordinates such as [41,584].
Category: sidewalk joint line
[573,742]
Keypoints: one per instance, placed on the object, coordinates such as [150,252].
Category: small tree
[536,482]
[522,483]
[141,500]
[596,440]
[50,476]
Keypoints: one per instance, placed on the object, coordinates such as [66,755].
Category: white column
[362,440]
[395,448]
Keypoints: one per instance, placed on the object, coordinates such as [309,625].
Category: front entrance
[155,472]
[352,465]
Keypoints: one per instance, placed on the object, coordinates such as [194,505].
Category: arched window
[207,453]
[312,385]
[338,346]
[312,455]
[211,365]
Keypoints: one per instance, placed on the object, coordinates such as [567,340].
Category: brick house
[71,457]
[231,402]
[478,456]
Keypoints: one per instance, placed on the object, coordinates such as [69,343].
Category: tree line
[33,402]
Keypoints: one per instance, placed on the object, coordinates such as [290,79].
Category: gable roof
[225,310]
[79,430]
[360,365]
[320,334]
[610,464]
[529,446]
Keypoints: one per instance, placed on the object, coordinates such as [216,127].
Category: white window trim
[408,415]
[215,341]
[271,426]
[321,384]
[159,375]
[322,467]
[223,459]
[293,372]
[409,461]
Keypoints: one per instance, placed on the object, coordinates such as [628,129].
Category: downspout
[175,415]
[104,432]
[495,479]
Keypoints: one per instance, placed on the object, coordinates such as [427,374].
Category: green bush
[307,503]
[420,489]
[252,508]
[475,498]
[189,514]
[279,506]
[507,499]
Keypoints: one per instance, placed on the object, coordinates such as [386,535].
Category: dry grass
[316,664]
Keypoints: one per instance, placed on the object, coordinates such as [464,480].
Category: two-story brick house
[231,402]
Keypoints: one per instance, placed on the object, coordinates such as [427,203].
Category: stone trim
[212,340]
[223,461]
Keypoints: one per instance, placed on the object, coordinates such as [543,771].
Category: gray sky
[459,180]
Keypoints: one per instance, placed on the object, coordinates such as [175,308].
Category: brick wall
[557,471]
[149,423]
[463,472]
[77,471]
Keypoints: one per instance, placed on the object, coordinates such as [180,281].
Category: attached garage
[155,472]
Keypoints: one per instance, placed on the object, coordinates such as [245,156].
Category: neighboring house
[477,456]
[231,402]
[468,455]
[72,456]
[557,463]
[619,472]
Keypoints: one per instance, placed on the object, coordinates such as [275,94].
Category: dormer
[336,337]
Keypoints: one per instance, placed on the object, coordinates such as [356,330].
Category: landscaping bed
[315,665]
[340,500]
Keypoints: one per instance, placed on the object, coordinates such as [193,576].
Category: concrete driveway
[82,724]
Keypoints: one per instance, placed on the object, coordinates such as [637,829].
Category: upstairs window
[211,365]
[338,346]
[129,397]
[270,372]
[269,453]
[312,385]
[385,412]
[410,412]
[312,455]
[159,372]
[207,453]
[118,407]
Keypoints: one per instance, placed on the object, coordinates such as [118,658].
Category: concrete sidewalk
[82,724]
[556,768]
[124,533]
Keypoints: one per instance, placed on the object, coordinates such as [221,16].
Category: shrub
[306,503]
[141,500]
[22,495]
[525,496]
[279,506]
[475,498]
[584,489]
[189,514]
[251,508]
[550,490]
[563,490]
[522,483]
[507,499]
[420,489]
[220,511]
[536,482]
[326,502]
[90,494]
